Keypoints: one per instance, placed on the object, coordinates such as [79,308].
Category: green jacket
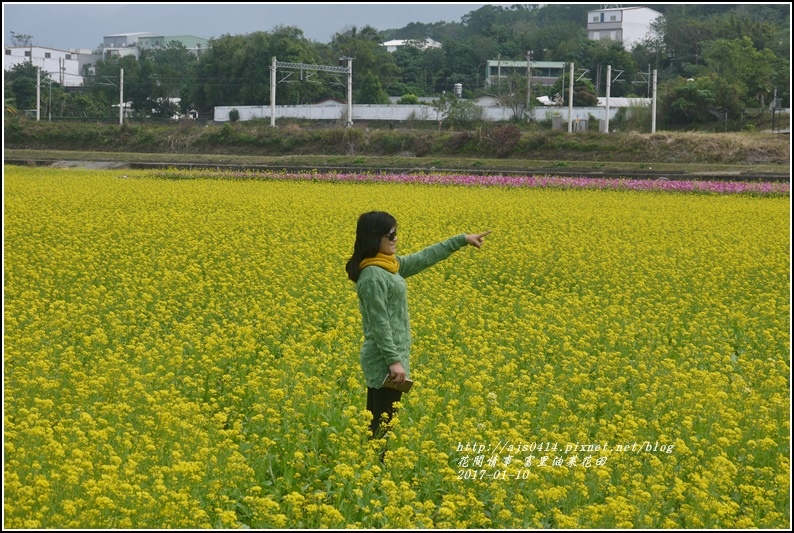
[383,302]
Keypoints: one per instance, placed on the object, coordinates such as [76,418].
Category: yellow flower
[182,354]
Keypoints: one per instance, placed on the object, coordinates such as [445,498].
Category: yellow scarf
[388,262]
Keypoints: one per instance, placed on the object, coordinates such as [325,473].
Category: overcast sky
[74,25]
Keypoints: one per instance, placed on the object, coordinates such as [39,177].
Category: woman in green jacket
[379,275]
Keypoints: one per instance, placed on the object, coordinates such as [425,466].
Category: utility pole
[121,97]
[38,91]
[529,85]
[653,112]
[349,91]
[306,67]
[273,91]
[570,103]
[499,70]
[609,87]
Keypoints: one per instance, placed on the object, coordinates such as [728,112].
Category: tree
[287,43]
[218,79]
[364,46]
[461,60]
[649,52]
[559,41]
[236,69]
[434,69]
[737,62]
[173,69]
[84,105]
[463,113]
[370,91]
[10,106]
[138,84]
[20,91]
[596,56]
[410,62]
[684,39]
[442,107]
[21,39]
[687,28]
[457,112]
[583,91]
[688,101]
[512,94]
[21,82]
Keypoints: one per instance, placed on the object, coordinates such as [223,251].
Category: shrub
[392,142]
[634,118]
[456,143]
[410,99]
[234,115]
[463,113]
[423,144]
[501,140]
[12,129]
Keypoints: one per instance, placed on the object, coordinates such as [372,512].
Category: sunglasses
[391,236]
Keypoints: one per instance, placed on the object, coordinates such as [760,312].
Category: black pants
[381,402]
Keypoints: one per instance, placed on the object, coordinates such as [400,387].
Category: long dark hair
[370,228]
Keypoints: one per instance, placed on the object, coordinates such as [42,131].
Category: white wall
[396,112]
[637,25]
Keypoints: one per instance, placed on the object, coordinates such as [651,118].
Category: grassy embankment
[480,148]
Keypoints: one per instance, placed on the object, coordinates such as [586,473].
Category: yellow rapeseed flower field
[184,354]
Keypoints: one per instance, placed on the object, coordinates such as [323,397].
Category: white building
[64,67]
[421,44]
[543,72]
[193,44]
[131,44]
[628,25]
[123,44]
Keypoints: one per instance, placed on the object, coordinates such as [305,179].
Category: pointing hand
[477,239]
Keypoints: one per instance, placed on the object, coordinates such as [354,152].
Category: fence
[401,112]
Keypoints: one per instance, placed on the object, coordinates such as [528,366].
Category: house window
[47,55]
[27,53]
[613,17]
[8,52]
[595,18]
[68,56]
